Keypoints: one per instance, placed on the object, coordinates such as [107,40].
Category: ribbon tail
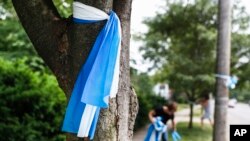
[149,133]
[86,121]
[74,109]
[159,136]
[177,135]
[114,87]
[173,137]
[102,73]
[94,124]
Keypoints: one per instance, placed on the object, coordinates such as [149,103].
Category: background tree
[181,42]
[181,48]
[64,47]
[240,54]
[220,131]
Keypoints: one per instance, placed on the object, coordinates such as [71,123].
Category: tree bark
[191,98]
[222,67]
[190,125]
[64,47]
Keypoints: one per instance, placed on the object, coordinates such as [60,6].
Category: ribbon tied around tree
[98,78]
[229,81]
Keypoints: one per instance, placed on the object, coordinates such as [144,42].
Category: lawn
[195,134]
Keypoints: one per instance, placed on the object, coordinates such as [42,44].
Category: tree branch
[43,25]
[61,43]
[47,31]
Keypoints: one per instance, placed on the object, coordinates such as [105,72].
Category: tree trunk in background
[222,67]
[190,125]
[64,47]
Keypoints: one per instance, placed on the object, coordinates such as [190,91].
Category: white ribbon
[82,11]
[230,81]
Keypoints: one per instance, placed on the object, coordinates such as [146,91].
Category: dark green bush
[241,95]
[31,104]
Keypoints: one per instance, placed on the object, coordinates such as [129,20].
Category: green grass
[195,134]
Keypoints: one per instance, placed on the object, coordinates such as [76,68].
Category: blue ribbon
[176,136]
[94,81]
[158,128]
[230,81]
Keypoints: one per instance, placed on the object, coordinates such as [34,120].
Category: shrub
[31,104]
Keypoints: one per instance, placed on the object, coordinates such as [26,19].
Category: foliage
[141,82]
[181,41]
[64,7]
[242,94]
[186,47]
[31,104]
[13,40]
[240,65]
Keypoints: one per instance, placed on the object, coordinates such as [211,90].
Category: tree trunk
[64,47]
[222,67]
[190,125]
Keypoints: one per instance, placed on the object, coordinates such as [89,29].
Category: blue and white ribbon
[158,128]
[98,78]
[229,81]
[176,136]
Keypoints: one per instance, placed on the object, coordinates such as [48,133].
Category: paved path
[238,115]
